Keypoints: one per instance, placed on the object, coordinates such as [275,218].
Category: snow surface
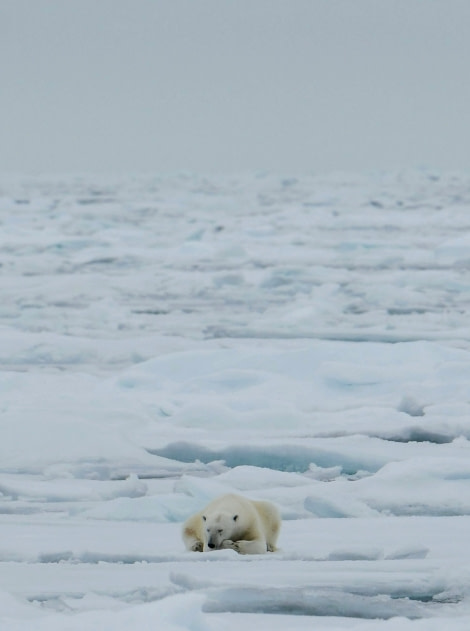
[304,340]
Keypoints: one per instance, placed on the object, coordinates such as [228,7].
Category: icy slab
[317,576]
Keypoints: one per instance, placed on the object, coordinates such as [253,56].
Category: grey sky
[234,85]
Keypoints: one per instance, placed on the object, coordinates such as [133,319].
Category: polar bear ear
[204,518]
[235,517]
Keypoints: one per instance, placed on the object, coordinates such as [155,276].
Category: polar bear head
[219,527]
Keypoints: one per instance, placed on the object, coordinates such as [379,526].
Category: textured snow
[305,340]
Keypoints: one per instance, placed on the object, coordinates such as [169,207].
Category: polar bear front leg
[191,534]
[246,547]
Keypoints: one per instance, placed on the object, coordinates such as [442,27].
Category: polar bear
[234,522]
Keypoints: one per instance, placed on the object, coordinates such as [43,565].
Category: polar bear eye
[220,532]
[204,517]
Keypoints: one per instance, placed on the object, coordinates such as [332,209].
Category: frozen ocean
[168,339]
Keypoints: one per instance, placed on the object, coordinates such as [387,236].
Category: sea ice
[166,339]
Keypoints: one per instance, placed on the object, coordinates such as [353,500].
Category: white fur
[235,522]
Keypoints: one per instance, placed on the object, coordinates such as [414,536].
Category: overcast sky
[234,85]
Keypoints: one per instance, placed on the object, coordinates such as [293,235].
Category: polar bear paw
[230,545]
[197,547]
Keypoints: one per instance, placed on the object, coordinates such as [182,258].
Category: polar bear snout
[214,538]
